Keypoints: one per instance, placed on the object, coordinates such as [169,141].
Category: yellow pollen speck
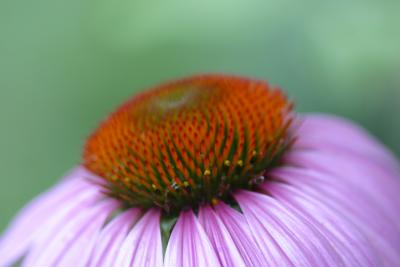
[154,186]
[227,163]
[240,163]
[185,183]
[207,172]
[214,201]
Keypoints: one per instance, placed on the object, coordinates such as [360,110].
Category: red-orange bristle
[182,142]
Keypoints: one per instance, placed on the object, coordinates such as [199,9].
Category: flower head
[217,171]
[190,142]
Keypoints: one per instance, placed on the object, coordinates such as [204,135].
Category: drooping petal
[189,245]
[35,216]
[334,134]
[336,146]
[72,244]
[111,239]
[220,238]
[241,234]
[353,204]
[143,245]
[355,172]
[345,185]
[350,243]
[274,227]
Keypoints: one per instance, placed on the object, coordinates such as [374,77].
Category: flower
[217,171]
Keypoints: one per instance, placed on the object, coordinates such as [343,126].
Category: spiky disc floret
[190,141]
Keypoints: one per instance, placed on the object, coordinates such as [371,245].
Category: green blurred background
[65,64]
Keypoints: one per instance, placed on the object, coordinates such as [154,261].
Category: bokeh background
[64,64]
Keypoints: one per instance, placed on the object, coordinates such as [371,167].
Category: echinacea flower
[217,171]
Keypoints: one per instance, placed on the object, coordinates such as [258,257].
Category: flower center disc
[191,141]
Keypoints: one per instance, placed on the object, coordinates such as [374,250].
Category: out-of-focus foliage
[65,64]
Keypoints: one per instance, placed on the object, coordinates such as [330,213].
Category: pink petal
[241,234]
[347,239]
[189,245]
[142,246]
[338,147]
[353,203]
[25,227]
[276,229]
[354,172]
[112,237]
[72,244]
[220,238]
[333,133]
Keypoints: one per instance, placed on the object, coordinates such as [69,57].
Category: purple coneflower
[217,171]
